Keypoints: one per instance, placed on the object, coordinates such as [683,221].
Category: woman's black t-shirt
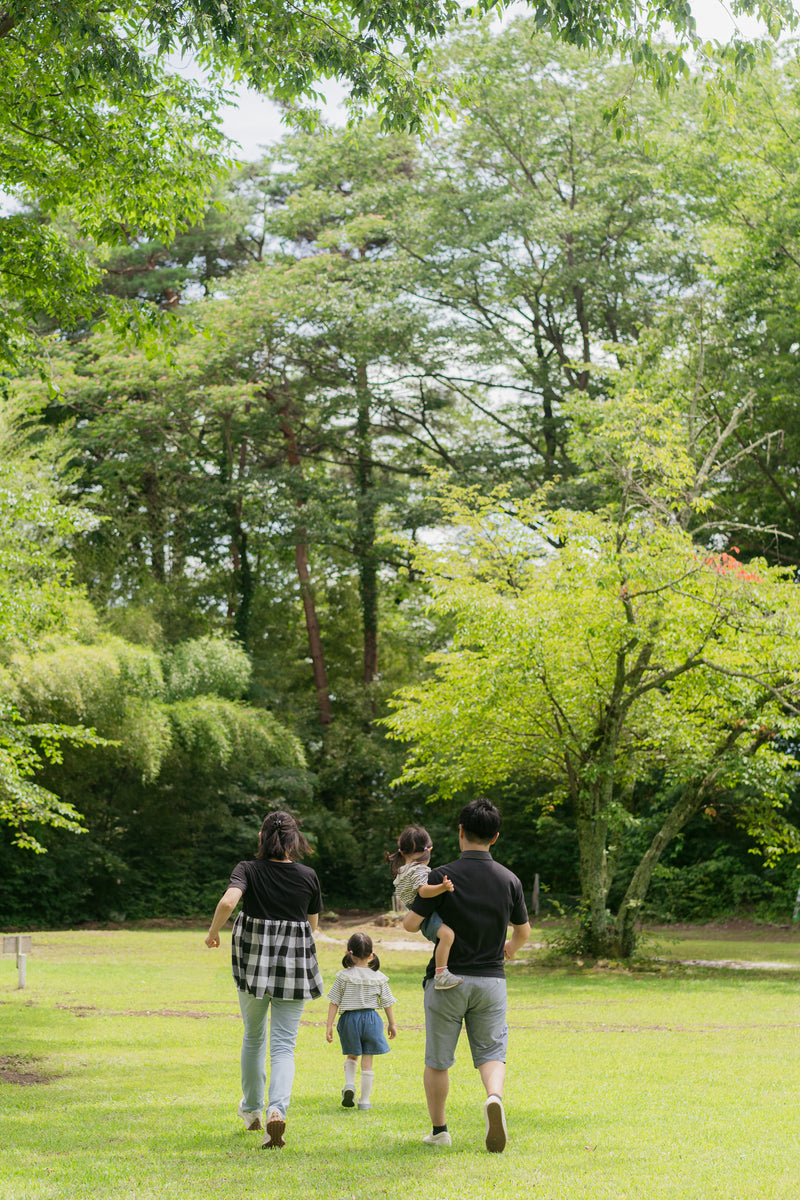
[277,891]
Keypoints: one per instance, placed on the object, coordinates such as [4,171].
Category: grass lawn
[675,1082]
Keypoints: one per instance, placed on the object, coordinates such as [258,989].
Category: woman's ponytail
[280,838]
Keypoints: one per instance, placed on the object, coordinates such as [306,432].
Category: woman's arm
[313,920]
[223,910]
[332,1011]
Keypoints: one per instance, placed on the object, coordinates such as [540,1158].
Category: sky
[254,121]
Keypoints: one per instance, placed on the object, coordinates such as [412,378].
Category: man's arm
[519,936]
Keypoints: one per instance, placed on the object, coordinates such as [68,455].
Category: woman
[274,963]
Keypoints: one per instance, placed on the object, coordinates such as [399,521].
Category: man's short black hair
[480,820]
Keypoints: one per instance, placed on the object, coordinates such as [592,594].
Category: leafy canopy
[99,130]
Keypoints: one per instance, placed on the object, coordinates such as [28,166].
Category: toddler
[409,867]
[357,993]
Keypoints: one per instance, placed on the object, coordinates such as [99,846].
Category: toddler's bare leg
[444,944]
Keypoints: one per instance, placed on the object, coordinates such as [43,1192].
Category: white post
[21,963]
[535,896]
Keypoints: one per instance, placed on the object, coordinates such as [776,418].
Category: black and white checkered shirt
[275,958]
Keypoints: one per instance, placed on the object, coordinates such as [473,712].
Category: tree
[741,180]
[36,599]
[178,787]
[101,132]
[278,424]
[544,247]
[612,655]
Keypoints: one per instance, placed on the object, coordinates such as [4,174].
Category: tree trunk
[240,596]
[156,525]
[315,650]
[365,529]
[690,801]
[625,924]
[592,841]
[312,629]
[244,580]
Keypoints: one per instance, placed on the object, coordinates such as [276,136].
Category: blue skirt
[361,1032]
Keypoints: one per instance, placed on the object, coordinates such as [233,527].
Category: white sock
[350,1065]
[367,1079]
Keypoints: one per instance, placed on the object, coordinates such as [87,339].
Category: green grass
[676,1083]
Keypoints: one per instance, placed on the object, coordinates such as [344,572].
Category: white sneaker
[496,1132]
[364,1105]
[252,1120]
[348,1096]
[438,1139]
[276,1127]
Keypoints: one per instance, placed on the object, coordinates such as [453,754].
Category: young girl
[409,867]
[357,992]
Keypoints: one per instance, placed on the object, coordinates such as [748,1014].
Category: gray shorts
[480,1005]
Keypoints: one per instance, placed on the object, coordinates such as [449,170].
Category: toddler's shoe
[446,979]
[348,1096]
[364,1105]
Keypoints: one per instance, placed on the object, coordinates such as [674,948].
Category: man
[486,899]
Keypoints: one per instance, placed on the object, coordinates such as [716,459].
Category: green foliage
[720,886]
[597,650]
[544,246]
[517,299]
[35,600]
[174,794]
[211,666]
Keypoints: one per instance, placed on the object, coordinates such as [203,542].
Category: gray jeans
[284,1022]
[480,1005]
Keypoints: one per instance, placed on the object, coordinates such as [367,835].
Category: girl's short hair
[280,837]
[360,946]
[413,840]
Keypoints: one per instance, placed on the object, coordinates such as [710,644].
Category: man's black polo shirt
[487,899]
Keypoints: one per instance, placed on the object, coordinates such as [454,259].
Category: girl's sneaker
[348,1096]
[364,1105]
[446,979]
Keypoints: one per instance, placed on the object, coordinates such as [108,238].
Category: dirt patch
[19,1069]
[735,965]
[79,1010]
[163,1012]
[91,1010]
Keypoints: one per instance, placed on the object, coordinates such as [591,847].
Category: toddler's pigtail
[374,963]
[395,861]
[348,960]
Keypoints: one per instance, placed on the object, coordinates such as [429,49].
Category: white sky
[255,121]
